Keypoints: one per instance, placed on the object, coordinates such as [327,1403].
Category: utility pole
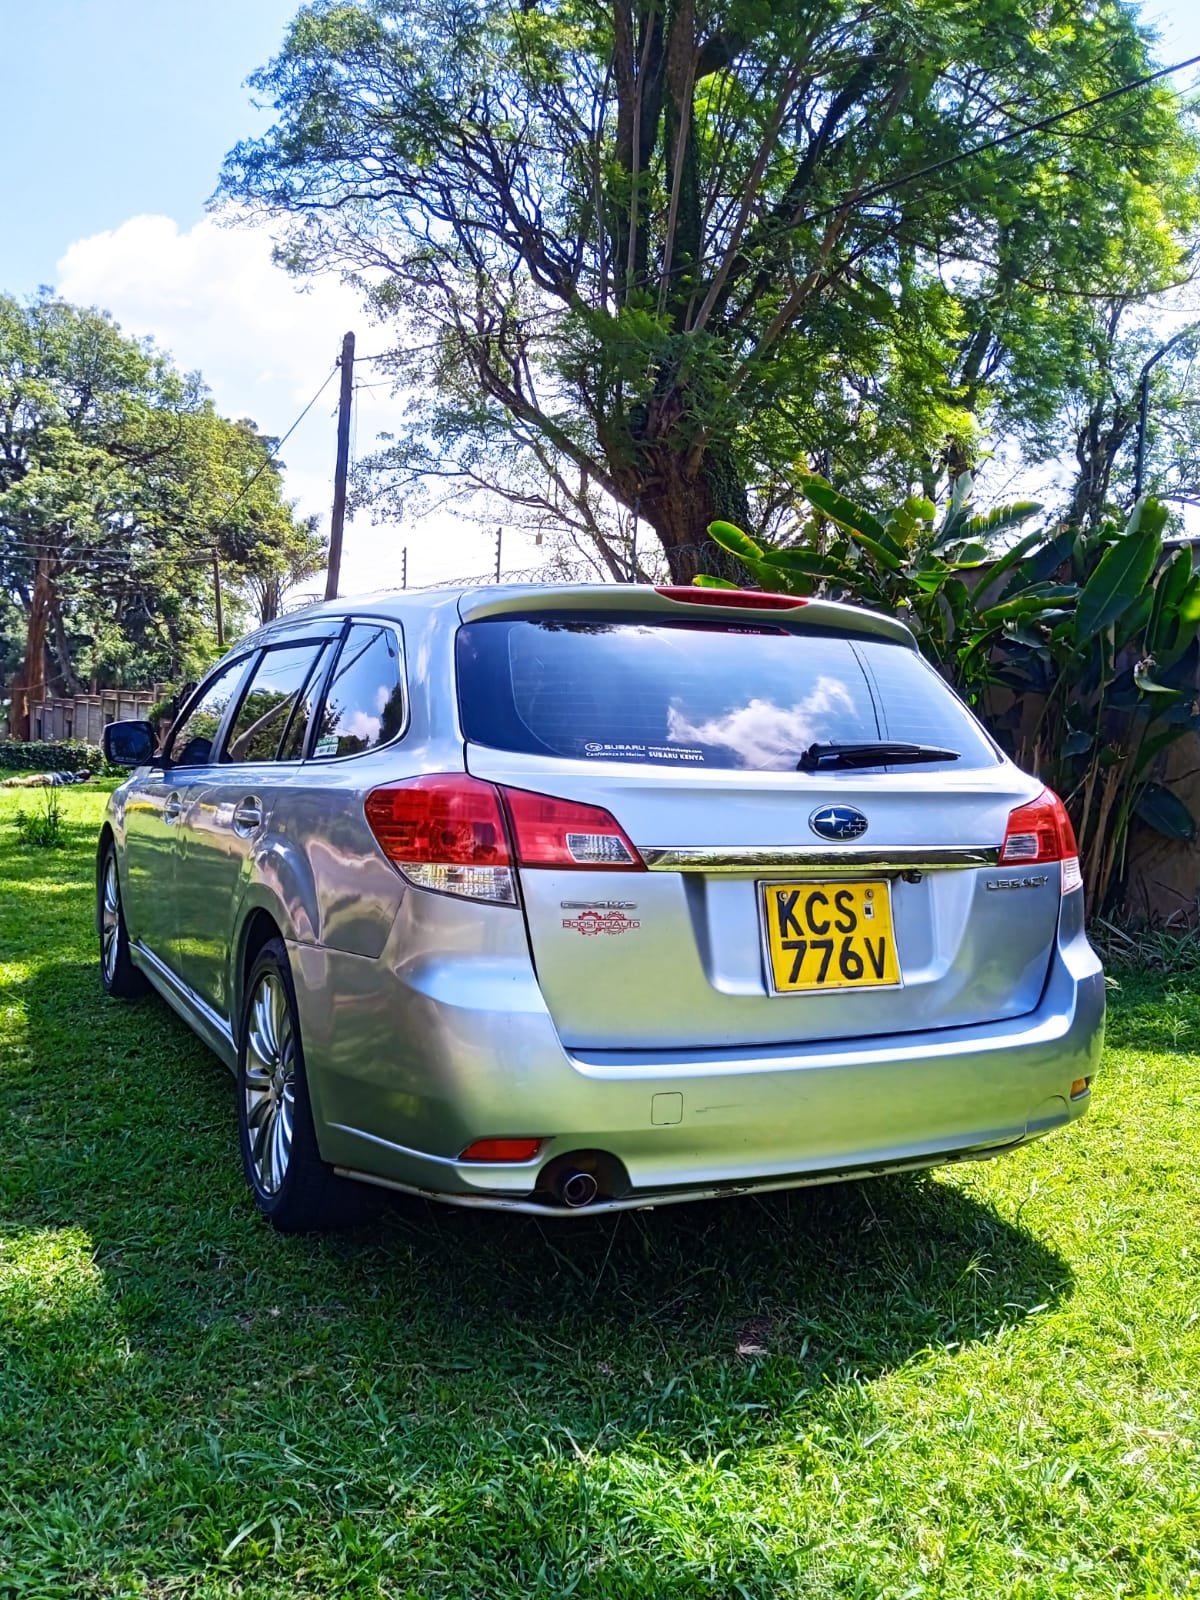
[217,600]
[404,568]
[498,533]
[345,400]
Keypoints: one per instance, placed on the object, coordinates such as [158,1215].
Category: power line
[887,185]
[124,562]
[132,570]
[273,456]
[54,547]
[132,564]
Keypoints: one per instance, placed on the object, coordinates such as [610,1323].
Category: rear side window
[269,701]
[364,704]
[698,694]
[293,740]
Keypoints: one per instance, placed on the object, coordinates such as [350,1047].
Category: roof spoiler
[677,600]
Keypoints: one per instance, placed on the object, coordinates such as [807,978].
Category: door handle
[247,816]
[173,809]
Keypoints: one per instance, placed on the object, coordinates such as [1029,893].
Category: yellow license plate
[829,936]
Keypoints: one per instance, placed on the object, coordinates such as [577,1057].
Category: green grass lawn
[979,1384]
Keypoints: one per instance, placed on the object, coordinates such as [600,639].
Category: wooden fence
[85,716]
[1163,876]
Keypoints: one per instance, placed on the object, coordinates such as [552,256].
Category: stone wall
[1164,874]
[85,716]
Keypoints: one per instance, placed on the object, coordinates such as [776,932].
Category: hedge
[42,755]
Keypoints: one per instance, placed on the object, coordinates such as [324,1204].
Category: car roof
[476,601]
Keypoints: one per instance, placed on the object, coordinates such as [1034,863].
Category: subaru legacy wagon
[555,899]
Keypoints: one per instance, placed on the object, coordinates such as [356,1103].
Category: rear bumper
[408,1065]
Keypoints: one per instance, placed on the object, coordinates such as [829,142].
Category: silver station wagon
[595,897]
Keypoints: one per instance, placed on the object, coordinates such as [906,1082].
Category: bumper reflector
[1080,1086]
[502,1150]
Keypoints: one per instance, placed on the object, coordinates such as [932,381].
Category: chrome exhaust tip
[578,1189]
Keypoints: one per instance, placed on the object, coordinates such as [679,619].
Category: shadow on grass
[135,1144]
[444,1403]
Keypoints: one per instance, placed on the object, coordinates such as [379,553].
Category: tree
[120,487]
[1130,353]
[680,251]
[1091,635]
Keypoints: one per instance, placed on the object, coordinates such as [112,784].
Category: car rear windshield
[598,688]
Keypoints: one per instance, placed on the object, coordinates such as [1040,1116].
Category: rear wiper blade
[873,753]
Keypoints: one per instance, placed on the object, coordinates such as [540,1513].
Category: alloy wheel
[269,1082]
[110,919]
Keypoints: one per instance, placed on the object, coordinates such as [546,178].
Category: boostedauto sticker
[599,750]
[590,923]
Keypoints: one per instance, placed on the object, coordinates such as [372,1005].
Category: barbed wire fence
[706,557]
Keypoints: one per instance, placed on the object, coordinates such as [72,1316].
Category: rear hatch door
[776,904]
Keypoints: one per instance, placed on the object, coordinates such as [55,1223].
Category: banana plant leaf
[1044,561]
[1161,809]
[1010,516]
[915,510]
[1119,579]
[1189,605]
[971,554]
[735,541]
[1148,685]
[1173,580]
[1015,553]
[1135,619]
[1027,605]
[810,562]
[855,519]
[988,524]
[1154,744]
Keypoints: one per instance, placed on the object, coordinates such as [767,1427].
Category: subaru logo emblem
[838,822]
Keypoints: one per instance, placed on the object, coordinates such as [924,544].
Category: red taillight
[445,831]
[549,832]
[502,1150]
[752,599]
[1039,833]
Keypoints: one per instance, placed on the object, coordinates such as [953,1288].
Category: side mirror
[129,744]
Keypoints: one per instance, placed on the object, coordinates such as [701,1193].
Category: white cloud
[213,297]
[766,735]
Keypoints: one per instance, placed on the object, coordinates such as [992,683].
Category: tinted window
[262,717]
[192,745]
[698,694]
[293,739]
[364,704]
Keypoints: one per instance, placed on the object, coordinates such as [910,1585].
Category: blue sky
[125,107]
[124,110]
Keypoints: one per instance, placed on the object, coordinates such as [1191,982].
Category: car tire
[292,1186]
[118,975]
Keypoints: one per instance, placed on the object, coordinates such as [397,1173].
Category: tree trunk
[679,502]
[62,650]
[29,688]
[270,596]
[1097,446]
